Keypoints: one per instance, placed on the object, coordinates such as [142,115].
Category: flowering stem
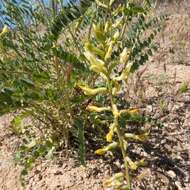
[120,137]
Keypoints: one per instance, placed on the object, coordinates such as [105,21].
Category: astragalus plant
[116,47]
[40,62]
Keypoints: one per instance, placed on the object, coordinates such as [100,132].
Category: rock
[171,174]
[149,108]
[178,184]
[163,141]
[58,173]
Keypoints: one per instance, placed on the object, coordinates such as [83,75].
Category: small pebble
[171,174]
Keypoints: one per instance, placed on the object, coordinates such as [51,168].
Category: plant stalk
[120,137]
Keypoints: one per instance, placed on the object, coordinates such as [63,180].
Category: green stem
[120,137]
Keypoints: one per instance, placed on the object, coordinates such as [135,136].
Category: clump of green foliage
[183,88]
[38,71]
[113,54]
[46,75]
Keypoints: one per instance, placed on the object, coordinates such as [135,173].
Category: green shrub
[39,68]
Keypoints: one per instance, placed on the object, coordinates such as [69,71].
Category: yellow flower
[99,32]
[97,109]
[92,91]
[4,31]
[116,36]
[100,151]
[136,164]
[125,74]
[132,165]
[111,146]
[97,65]
[124,56]
[109,136]
[92,59]
[141,137]
[107,26]
[109,52]
[141,162]
[99,69]
[94,49]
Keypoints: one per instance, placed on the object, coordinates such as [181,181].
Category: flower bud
[125,74]
[107,27]
[92,59]
[98,32]
[110,134]
[97,109]
[111,146]
[90,47]
[97,65]
[100,151]
[109,52]
[90,92]
[132,165]
[124,56]
[100,70]
[116,36]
